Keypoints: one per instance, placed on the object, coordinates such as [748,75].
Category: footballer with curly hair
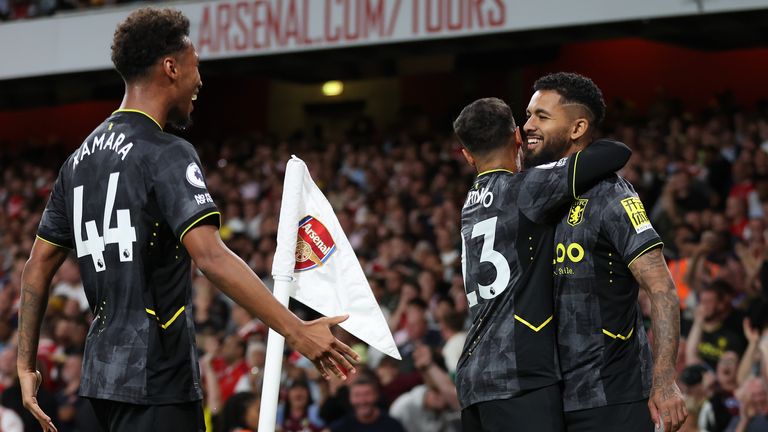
[133,204]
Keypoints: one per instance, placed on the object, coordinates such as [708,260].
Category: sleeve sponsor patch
[203,198]
[636,212]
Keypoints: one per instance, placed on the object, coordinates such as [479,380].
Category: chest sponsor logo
[576,214]
[195,176]
[636,212]
[314,244]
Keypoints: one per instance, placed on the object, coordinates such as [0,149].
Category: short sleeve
[181,190]
[545,189]
[627,225]
[54,225]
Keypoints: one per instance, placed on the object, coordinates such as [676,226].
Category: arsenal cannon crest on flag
[314,244]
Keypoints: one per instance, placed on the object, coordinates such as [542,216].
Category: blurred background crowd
[703,177]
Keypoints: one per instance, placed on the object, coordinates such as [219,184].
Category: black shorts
[124,417]
[627,417]
[537,411]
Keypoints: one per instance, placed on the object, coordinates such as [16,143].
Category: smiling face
[363,399]
[547,130]
[186,86]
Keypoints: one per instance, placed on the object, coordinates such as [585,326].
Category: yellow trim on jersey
[51,243]
[170,321]
[575,162]
[618,336]
[495,170]
[644,251]
[536,329]
[173,318]
[181,237]
[140,112]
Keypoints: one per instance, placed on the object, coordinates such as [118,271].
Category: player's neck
[501,158]
[496,164]
[144,98]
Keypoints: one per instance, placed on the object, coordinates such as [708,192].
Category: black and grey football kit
[123,201]
[604,353]
[508,227]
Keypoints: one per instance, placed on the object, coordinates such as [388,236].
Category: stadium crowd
[703,178]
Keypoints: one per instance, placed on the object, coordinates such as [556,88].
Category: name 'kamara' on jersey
[113,143]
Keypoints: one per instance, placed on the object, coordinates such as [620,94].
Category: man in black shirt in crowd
[507,377]
[133,203]
[366,415]
[604,247]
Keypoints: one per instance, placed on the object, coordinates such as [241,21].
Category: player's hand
[30,383]
[329,355]
[667,406]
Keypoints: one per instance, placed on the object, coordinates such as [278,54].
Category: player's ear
[170,68]
[518,138]
[468,157]
[579,128]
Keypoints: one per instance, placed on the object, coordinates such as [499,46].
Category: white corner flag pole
[273,368]
[282,272]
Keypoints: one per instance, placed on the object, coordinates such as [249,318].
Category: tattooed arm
[43,262]
[666,402]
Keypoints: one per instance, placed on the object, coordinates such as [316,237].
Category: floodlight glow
[333,88]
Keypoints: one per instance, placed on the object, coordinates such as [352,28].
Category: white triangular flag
[312,247]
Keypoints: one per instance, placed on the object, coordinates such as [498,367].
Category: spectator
[416,331]
[753,412]
[755,325]
[240,414]
[452,329]
[716,328]
[433,406]
[696,383]
[230,366]
[718,411]
[11,396]
[366,416]
[299,413]
[75,413]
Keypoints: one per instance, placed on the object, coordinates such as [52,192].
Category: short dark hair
[484,125]
[575,88]
[144,37]
[720,287]
[418,303]
[366,377]
[454,321]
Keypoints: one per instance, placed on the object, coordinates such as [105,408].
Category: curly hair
[575,88]
[145,36]
[485,125]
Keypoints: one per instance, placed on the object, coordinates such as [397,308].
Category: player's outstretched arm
[230,274]
[599,160]
[666,403]
[43,262]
